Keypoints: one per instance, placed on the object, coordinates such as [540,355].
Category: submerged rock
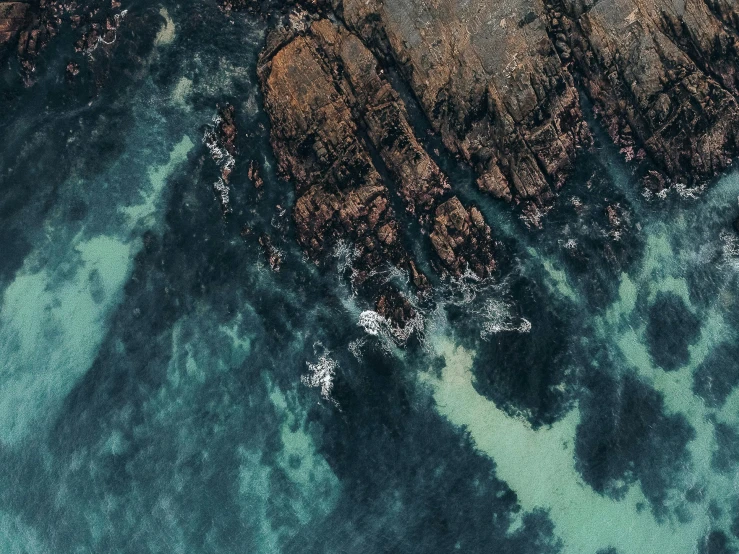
[28,27]
[271,253]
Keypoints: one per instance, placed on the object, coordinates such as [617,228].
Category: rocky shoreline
[501,85]
[27,28]
[338,126]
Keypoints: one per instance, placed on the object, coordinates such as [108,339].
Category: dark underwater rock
[671,329]
[625,435]
[717,376]
[726,455]
[715,542]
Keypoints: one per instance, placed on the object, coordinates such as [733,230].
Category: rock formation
[501,83]
[341,134]
[14,16]
[500,80]
[490,81]
[664,76]
[27,27]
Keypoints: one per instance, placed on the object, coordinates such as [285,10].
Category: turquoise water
[161,390]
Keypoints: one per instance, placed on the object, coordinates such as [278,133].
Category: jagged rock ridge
[334,117]
[500,82]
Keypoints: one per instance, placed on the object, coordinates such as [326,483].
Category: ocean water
[162,390]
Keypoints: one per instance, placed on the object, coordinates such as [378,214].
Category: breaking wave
[223,159]
[321,376]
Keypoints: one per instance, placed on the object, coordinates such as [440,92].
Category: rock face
[338,127]
[490,80]
[14,16]
[664,76]
[462,238]
[496,78]
[499,82]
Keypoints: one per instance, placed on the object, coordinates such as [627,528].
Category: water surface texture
[162,390]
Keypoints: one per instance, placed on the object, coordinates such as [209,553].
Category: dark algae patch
[717,375]
[671,329]
[626,437]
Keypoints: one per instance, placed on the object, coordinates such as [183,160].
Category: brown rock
[490,81]
[662,78]
[255,175]
[272,254]
[14,16]
[315,138]
[461,238]
[496,79]
[227,128]
[332,110]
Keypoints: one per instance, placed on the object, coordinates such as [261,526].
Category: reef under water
[162,389]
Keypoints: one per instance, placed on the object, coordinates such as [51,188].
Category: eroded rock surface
[664,76]
[490,80]
[338,127]
[14,16]
[501,83]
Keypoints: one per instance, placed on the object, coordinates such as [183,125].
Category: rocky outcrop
[663,76]
[227,130]
[341,134]
[28,27]
[255,175]
[496,78]
[220,139]
[490,81]
[338,126]
[271,253]
[14,16]
[383,116]
[315,138]
[462,238]
[500,80]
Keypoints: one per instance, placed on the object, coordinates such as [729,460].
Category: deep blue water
[155,374]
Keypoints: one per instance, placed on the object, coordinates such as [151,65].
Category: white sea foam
[222,191]
[345,254]
[389,332]
[118,18]
[321,376]
[730,248]
[223,159]
[496,317]
[685,192]
[355,347]
[533,216]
